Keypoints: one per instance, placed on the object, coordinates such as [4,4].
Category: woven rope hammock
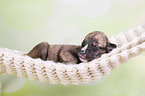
[130,43]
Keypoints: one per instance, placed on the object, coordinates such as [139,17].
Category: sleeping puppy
[58,53]
[93,46]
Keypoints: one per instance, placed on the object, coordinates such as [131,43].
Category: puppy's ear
[110,47]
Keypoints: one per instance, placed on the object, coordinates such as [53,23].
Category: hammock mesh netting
[129,44]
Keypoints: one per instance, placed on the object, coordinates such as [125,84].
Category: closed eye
[100,47]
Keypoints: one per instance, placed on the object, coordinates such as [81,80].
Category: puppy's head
[94,45]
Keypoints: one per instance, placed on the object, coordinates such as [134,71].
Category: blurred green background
[25,23]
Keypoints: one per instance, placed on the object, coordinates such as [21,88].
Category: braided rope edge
[130,43]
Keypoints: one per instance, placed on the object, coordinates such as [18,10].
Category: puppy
[57,53]
[93,46]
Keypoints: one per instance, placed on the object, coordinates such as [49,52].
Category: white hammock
[129,44]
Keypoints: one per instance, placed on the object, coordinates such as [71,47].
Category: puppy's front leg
[66,57]
[40,51]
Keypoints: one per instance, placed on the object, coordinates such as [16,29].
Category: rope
[130,43]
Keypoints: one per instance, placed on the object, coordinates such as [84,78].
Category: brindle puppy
[93,46]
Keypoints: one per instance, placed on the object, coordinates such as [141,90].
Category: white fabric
[130,43]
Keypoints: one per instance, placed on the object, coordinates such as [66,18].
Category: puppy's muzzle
[82,55]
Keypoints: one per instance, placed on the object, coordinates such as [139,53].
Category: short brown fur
[72,53]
